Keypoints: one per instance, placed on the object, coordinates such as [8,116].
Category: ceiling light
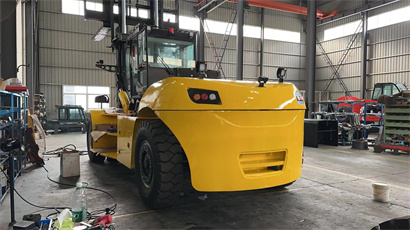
[100,35]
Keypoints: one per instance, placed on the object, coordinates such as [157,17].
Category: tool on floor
[33,217]
[103,220]
[24,225]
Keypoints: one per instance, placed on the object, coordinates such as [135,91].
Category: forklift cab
[158,53]
[387,89]
[70,118]
[70,113]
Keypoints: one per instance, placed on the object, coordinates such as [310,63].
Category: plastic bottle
[79,208]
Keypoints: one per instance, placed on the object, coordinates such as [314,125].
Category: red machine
[379,89]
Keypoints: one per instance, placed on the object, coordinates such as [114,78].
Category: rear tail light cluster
[203,96]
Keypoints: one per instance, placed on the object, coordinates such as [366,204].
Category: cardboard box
[70,163]
[100,130]
[3,84]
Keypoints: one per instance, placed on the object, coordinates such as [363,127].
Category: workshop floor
[334,192]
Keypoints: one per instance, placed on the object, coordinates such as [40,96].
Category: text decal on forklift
[299,98]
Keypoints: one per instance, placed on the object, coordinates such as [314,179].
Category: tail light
[203,96]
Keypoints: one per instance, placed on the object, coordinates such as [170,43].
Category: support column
[311,57]
[239,40]
[8,45]
[262,41]
[36,34]
[364,57]
[30,75]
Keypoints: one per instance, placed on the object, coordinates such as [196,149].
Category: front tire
[158,165]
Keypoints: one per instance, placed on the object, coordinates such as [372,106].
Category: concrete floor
[334,192]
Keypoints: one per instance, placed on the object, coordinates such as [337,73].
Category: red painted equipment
[388,88]
[395,147]
[357,107]
[16,88]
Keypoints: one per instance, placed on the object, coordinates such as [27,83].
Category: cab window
[172,53]
[377,92]
[395,90]
[62,115]
[387,90]
[75,114]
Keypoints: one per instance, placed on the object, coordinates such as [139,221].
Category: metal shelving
[397,127]
[13,112]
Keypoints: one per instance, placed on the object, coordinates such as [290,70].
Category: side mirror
[281,73]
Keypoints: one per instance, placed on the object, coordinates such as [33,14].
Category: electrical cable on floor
[90,215]
[69,147]
[28,202]
[96,213]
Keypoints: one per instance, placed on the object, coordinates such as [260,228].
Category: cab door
[139,70]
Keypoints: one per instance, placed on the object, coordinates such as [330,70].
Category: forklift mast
[154,49]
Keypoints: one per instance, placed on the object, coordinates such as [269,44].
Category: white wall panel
[68,54]
[388,55]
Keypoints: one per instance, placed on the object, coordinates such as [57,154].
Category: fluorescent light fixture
[100,35]
[143,13]
[169,17]
[94,6]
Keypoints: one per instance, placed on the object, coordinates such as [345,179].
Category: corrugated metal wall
[388,55]
[389,51]
[350,69]
[68,54]
[276,53]
[285,54]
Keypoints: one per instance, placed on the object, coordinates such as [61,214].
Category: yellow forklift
[179,120]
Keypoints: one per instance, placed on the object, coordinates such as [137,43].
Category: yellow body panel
[108,141]
[232,150]
[126,140]
[171,94]
[252,140]
[110,154]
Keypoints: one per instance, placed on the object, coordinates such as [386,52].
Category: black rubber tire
[158,165]
[112,160]
[377,149]
[285,185]
[94,158]
[344,109]
[397,223]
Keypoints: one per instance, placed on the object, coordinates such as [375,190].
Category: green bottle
[79,208]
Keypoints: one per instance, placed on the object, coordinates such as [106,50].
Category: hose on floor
[28,202]
[69,147]
[96,213]
[90,215]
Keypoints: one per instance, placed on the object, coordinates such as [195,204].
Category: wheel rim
[344,110]
[146,163]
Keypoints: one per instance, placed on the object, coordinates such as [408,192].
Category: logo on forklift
[299,98]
